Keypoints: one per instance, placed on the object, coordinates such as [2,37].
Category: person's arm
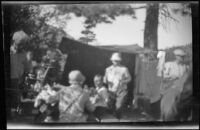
[187,68]
[166,71]
[89,106]
[105,77]
[38,100]
[85,102]
[127,77]
[27,63]
[54,98]
[104,94]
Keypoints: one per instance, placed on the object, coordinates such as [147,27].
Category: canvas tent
[91,60]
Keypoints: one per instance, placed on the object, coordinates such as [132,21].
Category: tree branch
[168,15]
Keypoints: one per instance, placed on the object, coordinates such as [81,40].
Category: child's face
[98,82]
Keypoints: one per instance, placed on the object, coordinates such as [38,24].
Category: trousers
[118,101]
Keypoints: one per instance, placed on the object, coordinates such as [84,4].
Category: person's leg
[55,114]
[168,105]
[121,102]
[8,101]
[12,98]
[92,117]
[155,110]
[100,112]
[112,102]
[145,105]
[135,101]
[97,112]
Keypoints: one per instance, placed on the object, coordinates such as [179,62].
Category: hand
[43,108]
[107,100]
[37,102]
[93,100]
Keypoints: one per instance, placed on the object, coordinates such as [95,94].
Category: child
[99,97]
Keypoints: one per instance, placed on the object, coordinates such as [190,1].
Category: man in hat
[73,100]
[171,86]
[117,77]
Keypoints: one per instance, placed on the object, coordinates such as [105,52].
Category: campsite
[100,63]
[93,60]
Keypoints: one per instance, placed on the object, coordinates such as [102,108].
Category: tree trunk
[151,26]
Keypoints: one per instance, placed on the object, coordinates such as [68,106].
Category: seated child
[99,97]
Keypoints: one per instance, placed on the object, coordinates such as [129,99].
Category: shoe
[117,115]
[48,119]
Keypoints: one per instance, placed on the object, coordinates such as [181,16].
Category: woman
[73,100]
[171,86]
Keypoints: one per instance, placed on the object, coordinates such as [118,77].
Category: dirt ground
[128,115]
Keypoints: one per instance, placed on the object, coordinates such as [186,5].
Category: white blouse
[173,70]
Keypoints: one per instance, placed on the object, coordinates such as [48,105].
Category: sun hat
[179,52]
[116,57]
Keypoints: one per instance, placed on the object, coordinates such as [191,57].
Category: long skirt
[169,100]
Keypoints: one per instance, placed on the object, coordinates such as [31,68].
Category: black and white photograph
[100,64]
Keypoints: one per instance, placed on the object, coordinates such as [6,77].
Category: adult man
[117,77]
[171,88]
[73,100]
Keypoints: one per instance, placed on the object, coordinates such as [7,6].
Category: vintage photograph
[97,63]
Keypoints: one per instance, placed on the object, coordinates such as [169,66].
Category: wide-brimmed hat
[116,57]
[179,52]
[76,76]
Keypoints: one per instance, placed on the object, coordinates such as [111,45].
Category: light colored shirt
[101,98]
[117,77]
[173,70]
[72,102]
